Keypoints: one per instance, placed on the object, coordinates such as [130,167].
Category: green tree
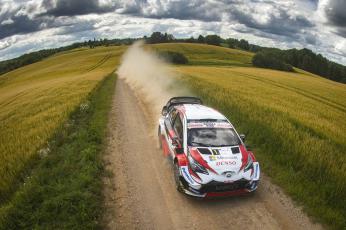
[213,40]
[271,60]
[201,39]
[243,44]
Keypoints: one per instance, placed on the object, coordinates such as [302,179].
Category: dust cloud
[150,77]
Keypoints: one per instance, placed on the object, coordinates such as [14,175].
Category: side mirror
[242,137]
[164,111]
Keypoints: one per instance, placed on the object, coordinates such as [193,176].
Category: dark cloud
[310,39]
[336,15]
[23,19]
[279,24]
[183,9]
[20,25]
[13,22]
[73,7]
[314,3]
[341,31]
[336,12]
[75,28]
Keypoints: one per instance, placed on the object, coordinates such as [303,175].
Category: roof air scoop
[204,151]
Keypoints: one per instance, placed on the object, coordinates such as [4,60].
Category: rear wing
[179,101]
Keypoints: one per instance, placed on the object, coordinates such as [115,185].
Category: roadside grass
[296,125]
[64,190]
[36,99]
[200,54]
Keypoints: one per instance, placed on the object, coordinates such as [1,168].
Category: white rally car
[209,156]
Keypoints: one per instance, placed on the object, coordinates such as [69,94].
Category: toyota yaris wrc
[209,156]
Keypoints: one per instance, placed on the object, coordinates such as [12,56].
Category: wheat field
[295,123]
[35,100]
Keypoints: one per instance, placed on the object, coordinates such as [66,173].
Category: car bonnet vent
[235,150]
[204,151]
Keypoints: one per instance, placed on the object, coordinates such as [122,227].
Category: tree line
[271,60]
[265,57]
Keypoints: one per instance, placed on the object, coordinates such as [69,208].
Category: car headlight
[249,164]
[196,167]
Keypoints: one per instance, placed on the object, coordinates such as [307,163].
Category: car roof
[199,112]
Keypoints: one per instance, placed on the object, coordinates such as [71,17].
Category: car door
[178,129]
[169,130]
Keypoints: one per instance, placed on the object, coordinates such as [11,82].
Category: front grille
[224,187]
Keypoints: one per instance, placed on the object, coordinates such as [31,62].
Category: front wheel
[177,178]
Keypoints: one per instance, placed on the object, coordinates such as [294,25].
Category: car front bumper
[218,189]
[215,189]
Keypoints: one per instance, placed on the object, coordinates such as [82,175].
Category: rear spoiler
[179,101]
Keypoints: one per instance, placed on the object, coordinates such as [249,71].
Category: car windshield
[212,137]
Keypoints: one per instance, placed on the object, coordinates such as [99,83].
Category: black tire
[159,138]
[177,178]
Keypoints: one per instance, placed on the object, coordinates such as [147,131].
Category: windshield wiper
[202,144]
[228,145]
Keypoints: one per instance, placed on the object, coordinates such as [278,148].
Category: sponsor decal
[215,152]
[228,157]
[222,163]
[209,124]
[214,158]
[187,175]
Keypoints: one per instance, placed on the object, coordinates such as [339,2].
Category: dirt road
[141,192]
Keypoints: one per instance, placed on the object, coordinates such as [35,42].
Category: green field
[295,124]
[35,100]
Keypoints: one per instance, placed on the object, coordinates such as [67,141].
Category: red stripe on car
[252,156]
[244,157]
[195,154]
[182,161]
[171,133]
[193,174]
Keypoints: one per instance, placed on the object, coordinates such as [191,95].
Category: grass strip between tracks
[64,190]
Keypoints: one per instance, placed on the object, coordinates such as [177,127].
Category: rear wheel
[177,178]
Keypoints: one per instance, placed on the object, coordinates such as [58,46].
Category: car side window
[172,115]
[178,127]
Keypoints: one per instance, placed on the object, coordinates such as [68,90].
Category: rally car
[209,156]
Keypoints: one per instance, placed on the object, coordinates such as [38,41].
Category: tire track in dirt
[140,194]
[99,63]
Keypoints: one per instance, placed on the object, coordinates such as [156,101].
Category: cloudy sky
[320,25]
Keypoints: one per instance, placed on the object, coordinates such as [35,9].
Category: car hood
[221,160]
